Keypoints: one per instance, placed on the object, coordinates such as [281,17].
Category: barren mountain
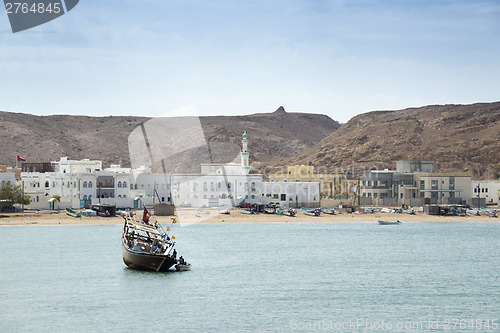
[464,138]
[273,136]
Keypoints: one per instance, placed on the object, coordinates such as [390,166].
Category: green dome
[245,135]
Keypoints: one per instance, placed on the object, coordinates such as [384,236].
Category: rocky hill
[273,137]
[464,138]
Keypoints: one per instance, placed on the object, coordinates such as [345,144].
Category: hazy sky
[340,58]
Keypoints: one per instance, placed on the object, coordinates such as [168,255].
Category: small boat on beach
[146,244]
[288,212]
[311,211]
[246,211]
[224,211]
[47,211]
[388,222]
[122,212]
[330,211]
[72,213]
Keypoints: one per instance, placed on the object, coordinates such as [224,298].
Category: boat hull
[146,261]
[181,268]
[388,222]
[72,213]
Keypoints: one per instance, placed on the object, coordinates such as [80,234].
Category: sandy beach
[193,216]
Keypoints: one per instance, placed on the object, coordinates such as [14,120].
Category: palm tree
[57,198]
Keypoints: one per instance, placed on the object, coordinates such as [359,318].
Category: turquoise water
[256,278]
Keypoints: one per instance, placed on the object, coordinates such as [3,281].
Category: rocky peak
[280,110]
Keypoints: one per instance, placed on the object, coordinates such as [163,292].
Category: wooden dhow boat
[146,244]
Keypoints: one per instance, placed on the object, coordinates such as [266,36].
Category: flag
[19,158]
[173,237]
[145,217]
[168,228]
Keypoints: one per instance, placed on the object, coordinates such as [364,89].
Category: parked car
[245,205]
[185,204]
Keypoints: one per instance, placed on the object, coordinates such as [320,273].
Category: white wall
[296,193]
[488,190]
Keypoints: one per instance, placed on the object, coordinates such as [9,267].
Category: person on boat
[181,260]
[174,254]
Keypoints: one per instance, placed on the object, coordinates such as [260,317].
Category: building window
[90,184]
[205,187]
[85,197]
[119,184]
[253,196]
[119,196]
[124,196]
[252,187]
[84,184]
[283,197]
[46,184]
[212,186]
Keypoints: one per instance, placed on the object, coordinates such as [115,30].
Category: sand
[192,216]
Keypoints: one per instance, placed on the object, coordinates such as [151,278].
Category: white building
[219,184]
[292,194]
[84,183]
[487,189]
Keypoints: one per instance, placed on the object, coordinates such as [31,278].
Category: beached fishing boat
[224,211]
[88,213]
[246,211]
[47,211]
[330,211]
[287,212]
[72,213]
[122,212]
[146,244]
[388,222]
[311,211]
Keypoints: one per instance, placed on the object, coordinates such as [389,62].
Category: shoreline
[186,217]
